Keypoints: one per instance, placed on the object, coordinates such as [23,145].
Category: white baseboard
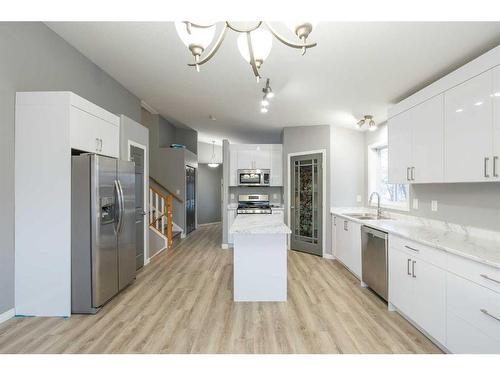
[155,254]
[183,235]
[147,261]
[7,315]
[328,256]
[205,224]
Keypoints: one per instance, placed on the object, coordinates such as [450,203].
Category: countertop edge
[373,224]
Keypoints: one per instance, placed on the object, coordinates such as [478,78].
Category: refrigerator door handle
[122,206]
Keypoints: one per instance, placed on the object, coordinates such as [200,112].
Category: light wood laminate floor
[182,303]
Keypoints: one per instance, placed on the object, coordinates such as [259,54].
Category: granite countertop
[478,245]
[259,224]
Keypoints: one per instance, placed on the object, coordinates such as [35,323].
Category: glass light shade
[262,42]
[264,103]
[213,165]
[270,95]
[264,110]
[199,36]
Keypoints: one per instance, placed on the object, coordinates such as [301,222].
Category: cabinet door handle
[408,173]
[345,226]
[485,312]
[495,158]
[486,159]
[100,143]
[408,267]
[97,144]
[413,269]
[412,249]
[489,278]
[335,220]
[413,173]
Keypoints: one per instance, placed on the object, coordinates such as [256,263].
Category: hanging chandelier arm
[287,42]
[215,48]
[259,24]
[252,57]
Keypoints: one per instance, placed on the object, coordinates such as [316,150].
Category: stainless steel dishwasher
[374,260]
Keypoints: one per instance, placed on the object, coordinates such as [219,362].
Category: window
[391,195]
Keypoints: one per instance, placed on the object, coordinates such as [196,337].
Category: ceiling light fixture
[254,43]
[213,163]
[367,119]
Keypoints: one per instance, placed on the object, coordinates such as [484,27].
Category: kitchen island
[260,257]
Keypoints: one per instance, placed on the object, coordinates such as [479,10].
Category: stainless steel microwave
[253,177]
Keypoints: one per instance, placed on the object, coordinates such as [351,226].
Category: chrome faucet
[379,210]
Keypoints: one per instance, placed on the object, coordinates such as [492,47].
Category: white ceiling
[356,69]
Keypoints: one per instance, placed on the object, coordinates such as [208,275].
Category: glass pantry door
[307,203]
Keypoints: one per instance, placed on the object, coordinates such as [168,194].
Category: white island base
[260,258]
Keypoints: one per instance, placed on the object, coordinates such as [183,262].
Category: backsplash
[275,193]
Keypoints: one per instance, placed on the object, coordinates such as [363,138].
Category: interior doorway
[137,155]
[306,203]
[190,199]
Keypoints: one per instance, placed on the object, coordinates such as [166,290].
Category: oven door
[249,178]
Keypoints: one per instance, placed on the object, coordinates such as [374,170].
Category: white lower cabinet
[454,300]
[347,248]
[418,290]
[473,314]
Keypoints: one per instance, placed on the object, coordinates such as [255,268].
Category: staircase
[160,216]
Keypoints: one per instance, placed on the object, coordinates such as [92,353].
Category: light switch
[415,203]
[434,205]
[358,198]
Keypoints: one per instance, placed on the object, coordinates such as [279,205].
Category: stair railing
[160,213]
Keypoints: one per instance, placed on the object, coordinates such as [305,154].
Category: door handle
[119,201]
[121,206]
[407,173]
[413,173]
[413,269]
[408,267]
[485,312]
[486,159]
[495,158]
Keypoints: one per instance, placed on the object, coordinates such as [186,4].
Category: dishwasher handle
[374,232]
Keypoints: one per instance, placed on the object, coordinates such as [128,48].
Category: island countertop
[259,224]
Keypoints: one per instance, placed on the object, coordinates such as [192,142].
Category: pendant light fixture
[268,94]
[254,43]
[213,163]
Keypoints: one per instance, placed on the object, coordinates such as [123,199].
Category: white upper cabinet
[416,143]
[496,124]
[256,156]
[399,142]
[450,130]
[427,141]
[468,136]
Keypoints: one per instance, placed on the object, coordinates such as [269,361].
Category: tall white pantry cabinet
[48,126]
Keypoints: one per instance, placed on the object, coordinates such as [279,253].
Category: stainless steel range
[254,204]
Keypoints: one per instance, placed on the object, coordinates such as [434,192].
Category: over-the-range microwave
[253,177]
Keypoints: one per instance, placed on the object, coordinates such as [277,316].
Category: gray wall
[34,58]
[209,194]
[308,138]
[225,189]
[167,165]
[470,204]
[348,174]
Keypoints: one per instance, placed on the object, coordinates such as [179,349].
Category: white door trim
[146,195]
[288,195]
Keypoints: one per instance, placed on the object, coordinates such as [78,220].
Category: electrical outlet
[434,205]
[415,203]
[358,198]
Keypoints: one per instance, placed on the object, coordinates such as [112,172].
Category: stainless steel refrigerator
[103,233]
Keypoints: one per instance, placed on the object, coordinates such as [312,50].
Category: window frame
[373,173]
